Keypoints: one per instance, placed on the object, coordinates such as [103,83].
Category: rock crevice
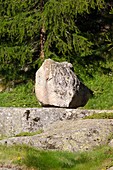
[63,129]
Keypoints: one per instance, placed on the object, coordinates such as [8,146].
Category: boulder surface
[14,121]
[69,135]
[57,85]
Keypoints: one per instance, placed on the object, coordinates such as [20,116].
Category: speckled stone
[111,168]
[69,135]
[17,120]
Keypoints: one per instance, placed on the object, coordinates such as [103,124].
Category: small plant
[100,116]
[29,133]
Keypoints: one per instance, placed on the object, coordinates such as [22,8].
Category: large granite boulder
[57,85]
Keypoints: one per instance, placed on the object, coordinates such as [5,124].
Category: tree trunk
[42,41]
[42,33]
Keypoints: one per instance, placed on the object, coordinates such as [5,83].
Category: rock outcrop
[62,129]
[68,135]
[18,120]
[57,85]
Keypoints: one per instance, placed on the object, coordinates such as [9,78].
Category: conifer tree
[30,30]
[61,27]
[42,32]
[20,36]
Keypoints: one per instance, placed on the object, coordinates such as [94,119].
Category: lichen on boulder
[57,85]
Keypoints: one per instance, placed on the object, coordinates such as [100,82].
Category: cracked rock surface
[14,121]
[69,135]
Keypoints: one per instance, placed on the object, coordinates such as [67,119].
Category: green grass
[98,159]
[21,96]
[29,133]
[101,84]
[100,116]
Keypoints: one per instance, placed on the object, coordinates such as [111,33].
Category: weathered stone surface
[16,120]
[57,85]
[111,143]
[111,168]
[10,167]
[69,135]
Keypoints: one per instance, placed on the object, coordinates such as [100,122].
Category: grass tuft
[31,158]
[29,133]
[100,116]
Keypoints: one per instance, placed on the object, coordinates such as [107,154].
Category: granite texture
[17,120]
[69,135]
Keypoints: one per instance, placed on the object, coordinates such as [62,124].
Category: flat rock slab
[69,135]
[17,120]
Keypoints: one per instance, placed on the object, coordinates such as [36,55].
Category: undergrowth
[98,159]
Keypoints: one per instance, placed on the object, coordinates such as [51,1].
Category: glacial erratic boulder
[57,85]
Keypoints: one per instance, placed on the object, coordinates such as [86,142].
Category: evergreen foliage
[63,35]
[79,31]
[19,34]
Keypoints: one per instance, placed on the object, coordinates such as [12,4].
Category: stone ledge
[69,135]
[16,120]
